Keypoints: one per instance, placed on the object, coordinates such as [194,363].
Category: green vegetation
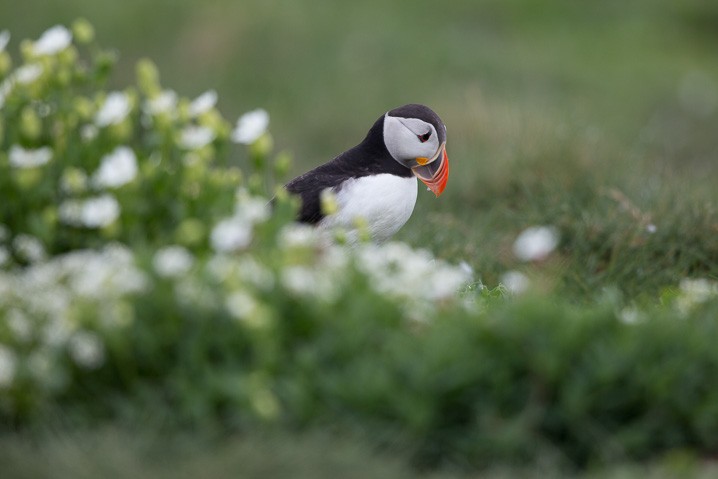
[149,297]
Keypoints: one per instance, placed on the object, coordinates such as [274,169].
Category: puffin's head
[416,137]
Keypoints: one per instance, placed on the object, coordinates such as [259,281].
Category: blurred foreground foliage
[145,276]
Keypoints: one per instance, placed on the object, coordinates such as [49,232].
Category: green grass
[564,113]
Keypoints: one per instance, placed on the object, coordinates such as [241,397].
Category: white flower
[27,74]
[195,137]
[651,228]
[86,349]
[255,273]
[630,315]
[536,243]
[300,280]
[241,305]
[444,281]
[29,247]
[54,40]
[398,270]
[165,102]
[4,39]
[29,158]
[298,235]
[109,272]
[252,208]
[231,234]
[95,212]
[515,282]
[115,108]
[203,103]
[467,269]
[8,363]
[4,256]
[251,126]
[100,211]
[694,291]
[117,168]
[88,133]
[172,261]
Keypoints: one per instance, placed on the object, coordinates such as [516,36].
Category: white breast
[385,202]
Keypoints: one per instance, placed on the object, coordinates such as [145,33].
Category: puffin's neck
[373,154]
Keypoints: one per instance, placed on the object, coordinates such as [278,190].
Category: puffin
[375,183]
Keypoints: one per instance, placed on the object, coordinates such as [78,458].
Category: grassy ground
[117,454]
[597,118]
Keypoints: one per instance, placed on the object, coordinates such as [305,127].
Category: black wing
[309,187]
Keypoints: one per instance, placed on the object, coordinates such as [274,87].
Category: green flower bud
[26,50]
[363,228]
[68,56]
[27,178]
[84,107]
[282,163]
[83,31]
[148,78]
[121,132]
[256,184]
[30,124]
[328,202]
[190,232]
[73,181]
[104,61]
[262,146]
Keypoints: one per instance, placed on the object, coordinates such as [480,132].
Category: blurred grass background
[596,116]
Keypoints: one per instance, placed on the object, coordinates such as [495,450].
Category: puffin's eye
[423,138]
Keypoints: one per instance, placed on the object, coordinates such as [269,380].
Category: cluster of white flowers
[695,291]
[398,270]
[251,126]
[93,212]
[42,301]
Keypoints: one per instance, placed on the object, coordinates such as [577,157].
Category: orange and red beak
[434,172]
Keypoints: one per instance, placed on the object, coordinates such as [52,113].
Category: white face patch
[402,137]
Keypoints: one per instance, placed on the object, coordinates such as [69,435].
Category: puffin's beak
[434,172]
